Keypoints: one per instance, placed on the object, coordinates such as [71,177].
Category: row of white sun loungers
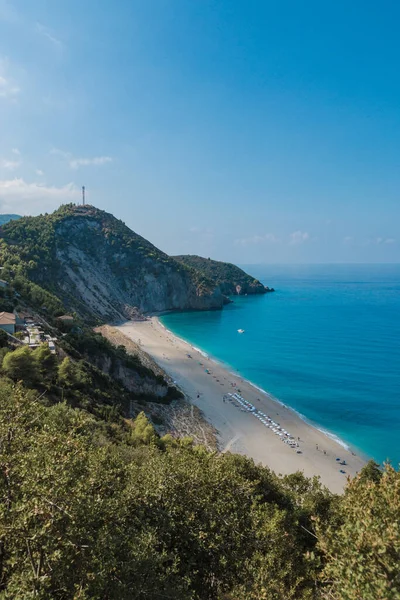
[246,406]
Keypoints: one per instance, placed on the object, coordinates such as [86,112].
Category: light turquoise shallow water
[327,343]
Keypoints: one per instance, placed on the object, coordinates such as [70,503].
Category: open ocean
[326,343]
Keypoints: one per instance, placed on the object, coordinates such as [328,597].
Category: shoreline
[333,436]
[210,385]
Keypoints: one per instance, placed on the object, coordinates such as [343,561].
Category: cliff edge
[98,267]
[228,277]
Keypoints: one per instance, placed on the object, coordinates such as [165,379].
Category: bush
[21,365]
[363,552]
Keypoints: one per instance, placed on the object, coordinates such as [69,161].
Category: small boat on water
[240,330]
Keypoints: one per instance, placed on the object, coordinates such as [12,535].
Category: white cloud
[378,241]
[21,197]
[47,33]
[8,89]
[267,238]
[372,241]
[10,165]
[39,172]
[97,161]
[58,152]
[76,163]
[298,237]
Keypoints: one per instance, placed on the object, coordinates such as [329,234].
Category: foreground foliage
[93,510]
[82,517]
[363,552]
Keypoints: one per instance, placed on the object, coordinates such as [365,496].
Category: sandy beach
[206,383]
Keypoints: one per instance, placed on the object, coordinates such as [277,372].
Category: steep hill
[98,267]
[6,218]
[228,277]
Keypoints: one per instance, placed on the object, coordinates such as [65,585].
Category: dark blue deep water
[326,343]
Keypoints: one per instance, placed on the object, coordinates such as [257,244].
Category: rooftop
[7,318]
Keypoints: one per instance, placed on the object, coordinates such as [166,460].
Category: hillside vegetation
[86,260]
[119,383]
[6,218]
[98,507]
[228,277]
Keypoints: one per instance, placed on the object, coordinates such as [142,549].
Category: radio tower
[83,195]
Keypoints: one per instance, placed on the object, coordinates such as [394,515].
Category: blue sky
[249,131]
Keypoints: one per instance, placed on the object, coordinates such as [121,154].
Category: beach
[211,387]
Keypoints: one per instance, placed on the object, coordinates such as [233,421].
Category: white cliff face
[111,277]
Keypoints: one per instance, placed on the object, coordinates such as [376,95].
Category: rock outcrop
[228,277]
[146,378]
[114,279]
[85,260]
[98,267]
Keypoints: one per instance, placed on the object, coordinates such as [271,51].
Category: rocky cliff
[228,277]
[124,361]
[97,266]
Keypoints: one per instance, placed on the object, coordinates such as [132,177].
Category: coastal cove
[207,383]
[325,344]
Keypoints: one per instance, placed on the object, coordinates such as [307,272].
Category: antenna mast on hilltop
[83,195]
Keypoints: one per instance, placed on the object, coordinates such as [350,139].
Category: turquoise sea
[326,343]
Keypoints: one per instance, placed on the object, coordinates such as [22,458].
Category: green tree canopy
[363,552]
[94,506]
[72,373]
[21,365]
[143,432]
[46,361]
